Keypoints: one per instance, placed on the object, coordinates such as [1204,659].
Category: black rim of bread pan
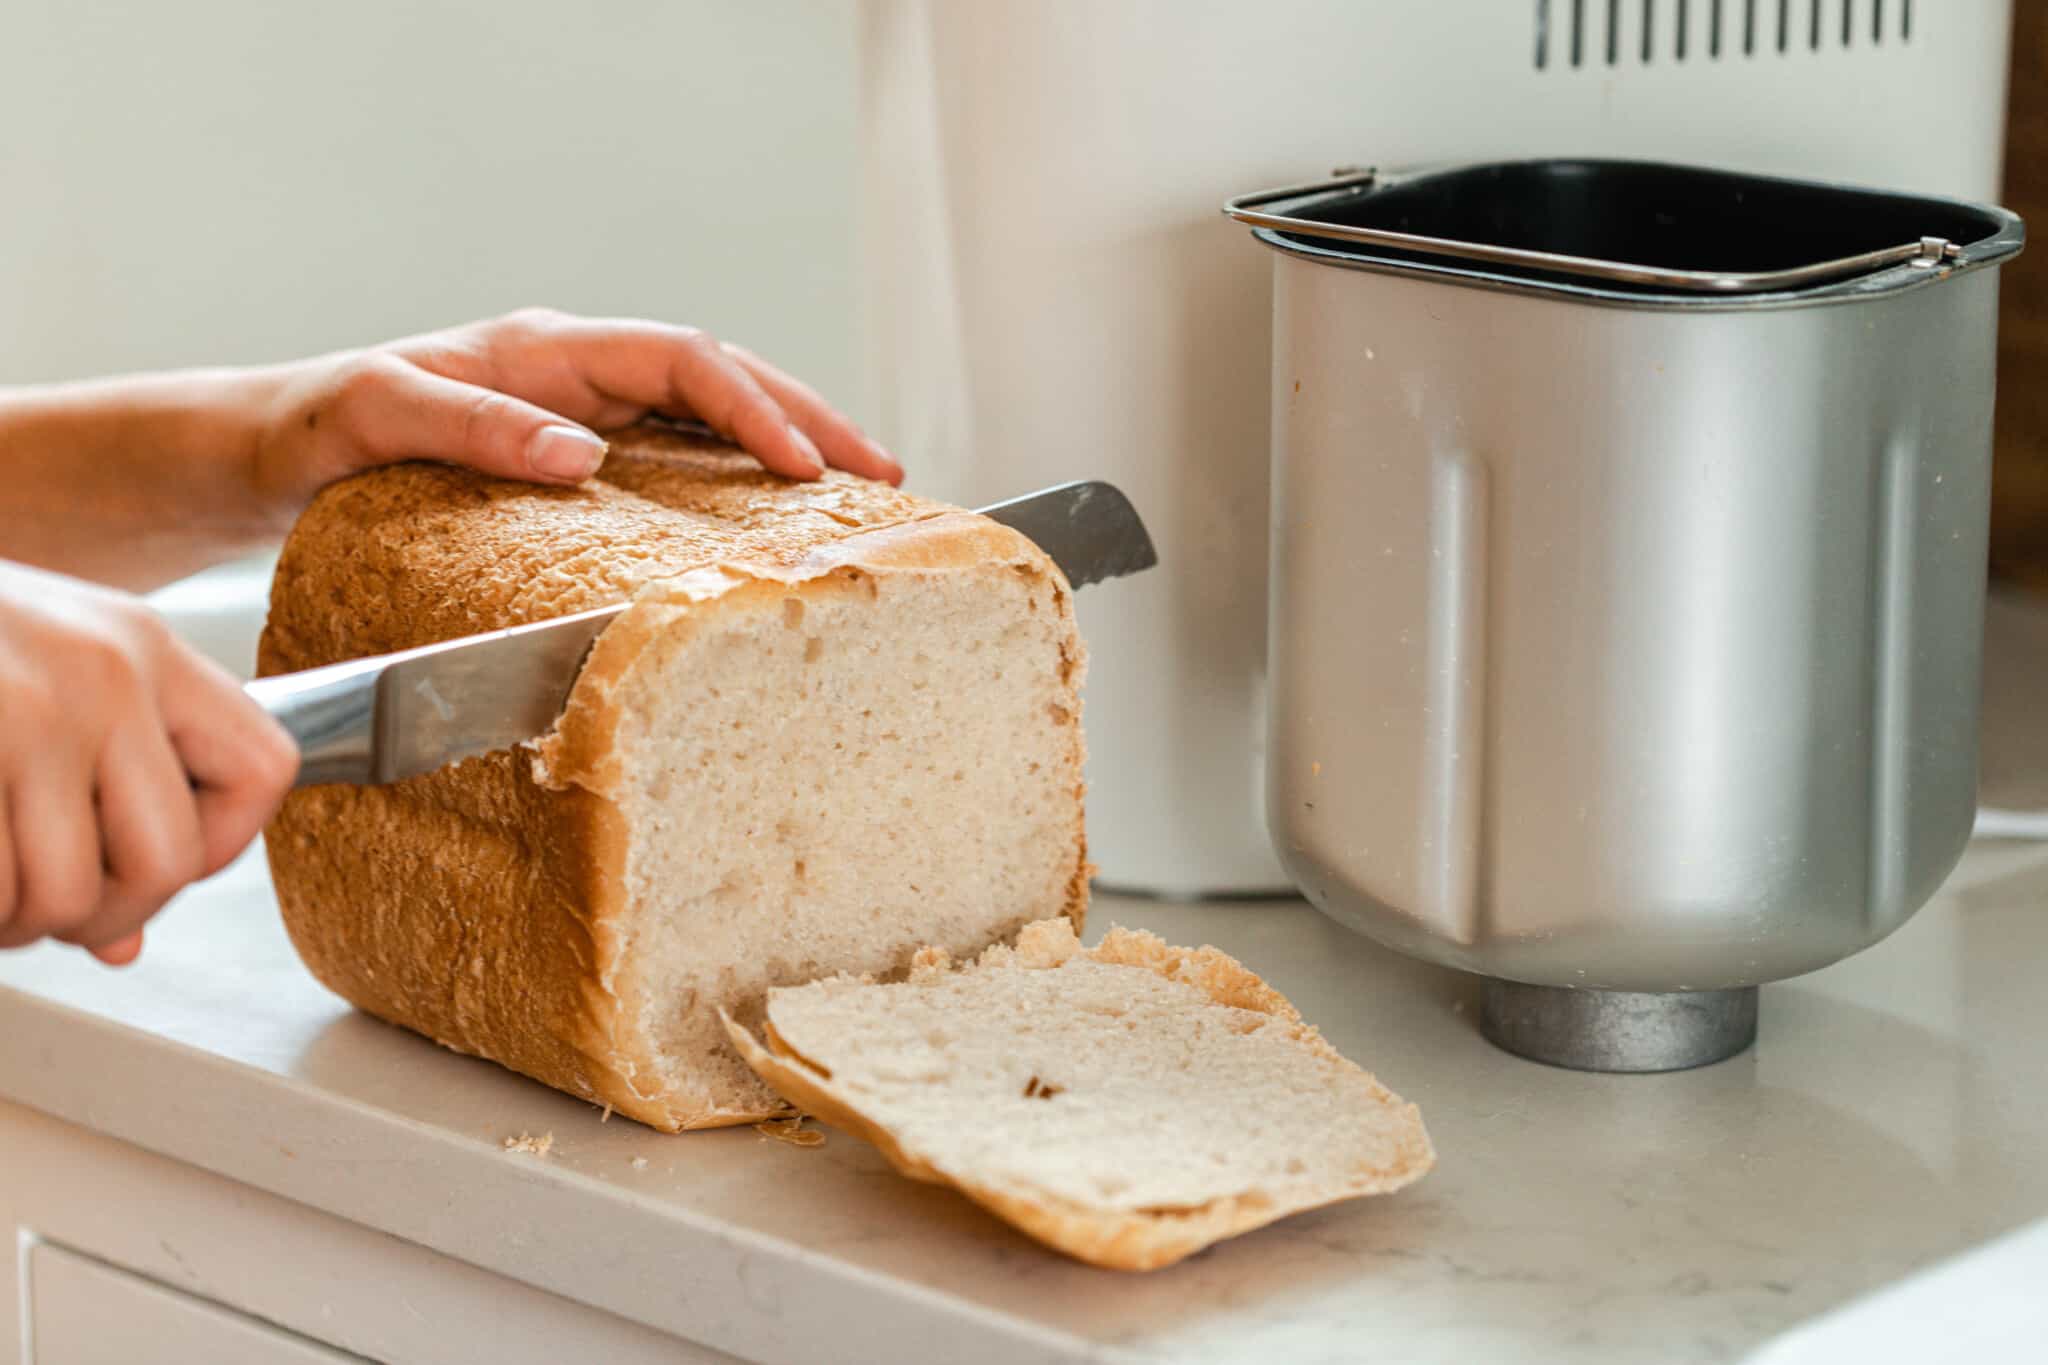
[1640,233]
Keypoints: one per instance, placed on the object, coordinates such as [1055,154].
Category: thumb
[399,411]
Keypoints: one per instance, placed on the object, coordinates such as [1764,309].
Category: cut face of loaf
[1128,1106]
[775,767]
[816,775]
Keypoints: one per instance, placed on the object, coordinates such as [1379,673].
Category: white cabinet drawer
[84,1312]
[111,1253]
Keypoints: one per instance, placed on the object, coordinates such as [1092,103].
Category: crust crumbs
[1040,945]
[1222,977]
[791,1131]
[528,1145]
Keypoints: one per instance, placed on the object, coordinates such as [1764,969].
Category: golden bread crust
[481,904]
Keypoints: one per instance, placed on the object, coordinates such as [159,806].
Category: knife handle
[329,713]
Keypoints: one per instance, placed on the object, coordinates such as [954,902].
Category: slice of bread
[836,724]
[1128,1105]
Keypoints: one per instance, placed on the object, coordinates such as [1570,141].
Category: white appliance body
[1051,292]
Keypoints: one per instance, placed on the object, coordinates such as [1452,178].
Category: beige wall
[223,180]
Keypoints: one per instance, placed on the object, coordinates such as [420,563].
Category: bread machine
[1050,292]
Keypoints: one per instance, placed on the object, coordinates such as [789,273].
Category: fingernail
[807,450]
[887,458]
[565,453]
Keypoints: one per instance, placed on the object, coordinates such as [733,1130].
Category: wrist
[137,480]
[229,432]
[293,444]
[204,432]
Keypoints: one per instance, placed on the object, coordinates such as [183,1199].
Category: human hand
[522,396]
[130,765]
[141,479]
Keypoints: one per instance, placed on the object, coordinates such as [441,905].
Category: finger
[241,761]
[395,410]
[684,372]
[121,952]
[843,444]
[57,853]
[149,832]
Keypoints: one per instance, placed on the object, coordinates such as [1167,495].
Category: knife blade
[393,716]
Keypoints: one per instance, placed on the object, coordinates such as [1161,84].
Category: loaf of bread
[837,723]
[1128,1105]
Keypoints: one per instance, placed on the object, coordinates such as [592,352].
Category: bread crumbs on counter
[791,1131]
[639,1163]
[529,1145]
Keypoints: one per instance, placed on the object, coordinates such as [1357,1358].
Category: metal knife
[392,716]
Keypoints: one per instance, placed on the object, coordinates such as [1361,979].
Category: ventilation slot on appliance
[1596,33]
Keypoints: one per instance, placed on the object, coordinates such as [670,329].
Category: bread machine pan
[1628,562]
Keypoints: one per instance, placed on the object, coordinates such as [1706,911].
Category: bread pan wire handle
[1249,209]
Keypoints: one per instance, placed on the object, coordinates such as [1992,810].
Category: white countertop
[1893,1114]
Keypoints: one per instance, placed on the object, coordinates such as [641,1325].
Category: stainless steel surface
[1618,1030]
[1926,252]
[1088,527]
[329,712]
[1996,823]
[397,715]
[1624,648]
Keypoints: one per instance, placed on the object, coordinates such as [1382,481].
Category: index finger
[844,444]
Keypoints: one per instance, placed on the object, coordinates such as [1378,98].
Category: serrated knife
[392,716]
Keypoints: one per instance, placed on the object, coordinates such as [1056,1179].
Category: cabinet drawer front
[85,1312]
